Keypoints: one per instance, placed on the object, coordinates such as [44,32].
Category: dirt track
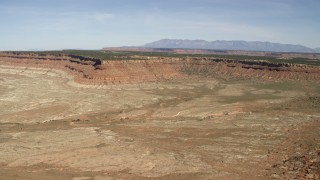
[196,128]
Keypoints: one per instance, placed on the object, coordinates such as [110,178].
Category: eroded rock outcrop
[264,70]
[151,69]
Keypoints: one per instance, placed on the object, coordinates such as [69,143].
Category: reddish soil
[93,71]
[217,118]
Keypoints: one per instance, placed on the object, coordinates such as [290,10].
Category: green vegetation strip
[130,55]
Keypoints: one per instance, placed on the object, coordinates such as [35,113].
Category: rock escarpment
[151,69]
[264,70]
[94,71]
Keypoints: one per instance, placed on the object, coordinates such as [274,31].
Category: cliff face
[250,69]
[94,71]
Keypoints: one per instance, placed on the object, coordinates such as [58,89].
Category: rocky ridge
[151,69]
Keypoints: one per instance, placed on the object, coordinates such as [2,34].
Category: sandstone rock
[93,71]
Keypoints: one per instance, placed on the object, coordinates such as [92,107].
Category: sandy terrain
[196,128]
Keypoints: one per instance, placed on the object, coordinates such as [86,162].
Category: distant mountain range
[230,45]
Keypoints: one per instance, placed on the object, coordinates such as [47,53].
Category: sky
[94,24]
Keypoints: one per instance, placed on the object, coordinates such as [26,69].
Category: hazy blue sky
[93,24]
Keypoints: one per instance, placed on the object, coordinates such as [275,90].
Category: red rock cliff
[93,71]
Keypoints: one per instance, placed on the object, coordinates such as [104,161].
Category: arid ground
[188,128]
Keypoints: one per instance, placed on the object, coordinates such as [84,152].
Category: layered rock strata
[152,69]
[251,69]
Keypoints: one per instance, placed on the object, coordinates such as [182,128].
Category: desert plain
[189,124]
